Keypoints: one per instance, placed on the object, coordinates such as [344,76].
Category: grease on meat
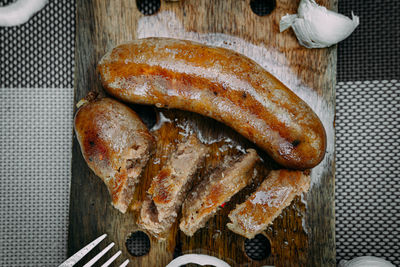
[169,188]
[221,84]
[224,182]
[263,206]
[116,145]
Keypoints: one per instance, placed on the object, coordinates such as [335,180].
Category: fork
[81,253]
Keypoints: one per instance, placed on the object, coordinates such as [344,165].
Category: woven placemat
[371,52]
[368,169]
[35,174]
[40,53]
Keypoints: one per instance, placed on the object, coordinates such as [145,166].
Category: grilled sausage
[224,182]
[221,84]
[263,206]
[169,188]
[115,144]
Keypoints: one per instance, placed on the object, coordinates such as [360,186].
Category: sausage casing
[221,84]
[116,145]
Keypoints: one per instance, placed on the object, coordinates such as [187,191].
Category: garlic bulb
[317,27]
[366,261]
[198,259]
[20,11]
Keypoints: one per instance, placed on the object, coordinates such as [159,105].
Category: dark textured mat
[40,53]
[372,51]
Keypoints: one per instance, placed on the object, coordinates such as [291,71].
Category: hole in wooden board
[148,7]
[258,248]
[138,244]
[262,7]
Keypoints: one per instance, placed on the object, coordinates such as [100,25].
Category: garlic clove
[199,259]
[317,27]
[286,22]
[365,261]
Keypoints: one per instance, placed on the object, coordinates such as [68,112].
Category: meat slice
[169,188]
[224,182]
[263,206]
[116,145]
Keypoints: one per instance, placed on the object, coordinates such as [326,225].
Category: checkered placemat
[36,132]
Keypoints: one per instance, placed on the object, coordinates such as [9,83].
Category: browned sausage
[169,187]
[263,206]
[115,144]
[206,198]
[221,84]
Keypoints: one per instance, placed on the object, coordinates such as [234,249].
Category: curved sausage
[115,144]
[221,84]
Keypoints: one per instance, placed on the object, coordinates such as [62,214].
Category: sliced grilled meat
[228,179]
[263,206]
[169,188]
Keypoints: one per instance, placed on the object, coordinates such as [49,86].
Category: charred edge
[91,96]
[153,212]
[296,143]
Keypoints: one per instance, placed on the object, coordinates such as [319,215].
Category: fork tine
[98,256]
[116,255]
[81,253]
[124,263]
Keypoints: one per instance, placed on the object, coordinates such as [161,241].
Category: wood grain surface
[303,235]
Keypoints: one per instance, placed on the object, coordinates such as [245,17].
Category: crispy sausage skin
[116,145]
[221,84]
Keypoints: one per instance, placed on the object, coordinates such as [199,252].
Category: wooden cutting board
[303,235]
